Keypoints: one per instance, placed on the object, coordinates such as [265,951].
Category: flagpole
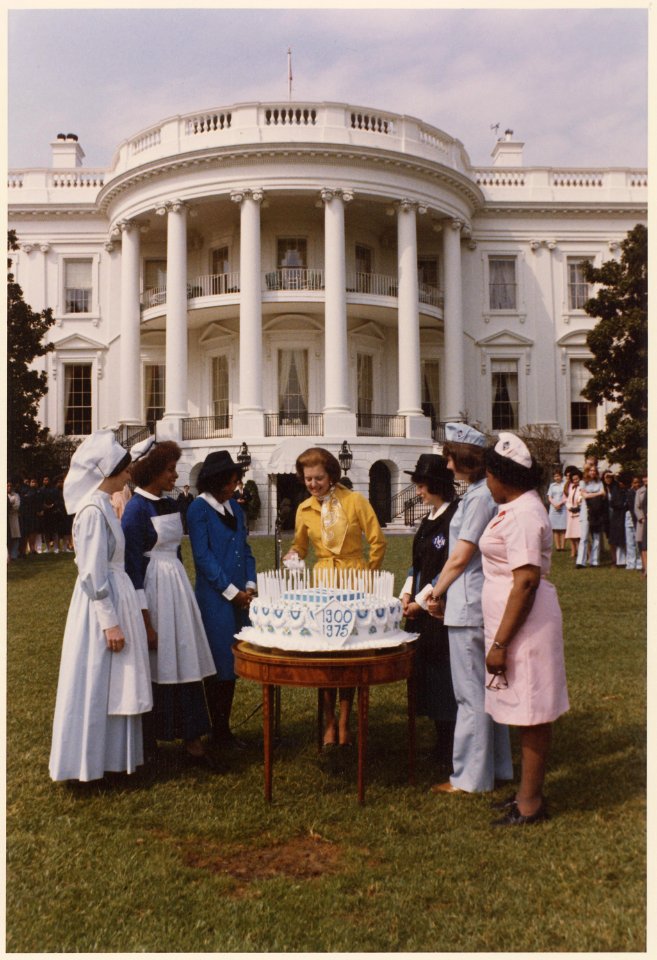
[289,74]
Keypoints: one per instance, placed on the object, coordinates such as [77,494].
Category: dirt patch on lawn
[299,857]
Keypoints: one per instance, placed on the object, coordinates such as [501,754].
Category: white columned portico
[453,324]
[408,326]
[339,417]
[249,420]
[130,407]
[175,404]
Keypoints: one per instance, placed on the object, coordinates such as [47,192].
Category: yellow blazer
[361,519]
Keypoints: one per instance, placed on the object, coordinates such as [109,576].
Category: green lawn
[181,861]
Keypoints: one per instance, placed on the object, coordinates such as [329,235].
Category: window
[155,282]
[291,252]
[293,385]
[363,260]
[582,411]
[505,394]
[220,390]
[220,263]
[365,389]
[578,288]
[154,392]
[427,271]
[77,399]
[78,286]
[431,391]
[502,283]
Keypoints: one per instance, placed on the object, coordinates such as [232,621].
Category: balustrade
[127,436]
[294,278]
[306,425]
[205,428]
[215,284]
[380,425]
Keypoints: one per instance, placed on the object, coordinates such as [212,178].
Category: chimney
[507,152]
[67,154]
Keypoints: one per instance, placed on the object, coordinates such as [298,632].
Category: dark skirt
[433,675]
[180,711]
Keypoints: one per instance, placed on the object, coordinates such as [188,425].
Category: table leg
[267,718]
[410,696]
[277,713]
[363,705]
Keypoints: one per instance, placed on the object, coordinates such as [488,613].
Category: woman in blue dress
[558,515]
[225,578]
[180,655]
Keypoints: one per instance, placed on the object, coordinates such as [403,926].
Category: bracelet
[499,646]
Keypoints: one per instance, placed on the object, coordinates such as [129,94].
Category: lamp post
[244,457]
[345,457]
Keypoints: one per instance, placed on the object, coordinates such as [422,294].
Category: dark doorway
[290,492]
[380,488]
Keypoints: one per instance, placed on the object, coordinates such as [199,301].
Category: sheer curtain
[502,277]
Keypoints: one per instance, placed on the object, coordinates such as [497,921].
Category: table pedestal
[361,669]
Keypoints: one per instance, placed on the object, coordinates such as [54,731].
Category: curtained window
[293,385]
[292,261]
[77,399]
[582,411]
[154,392]
[431,391]
[578,288]
[365,389]
[78,286]
[502,283]
[505,394]
[220,390]
[363,260]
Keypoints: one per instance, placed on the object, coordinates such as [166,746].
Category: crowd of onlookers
[37,521]
[595,511]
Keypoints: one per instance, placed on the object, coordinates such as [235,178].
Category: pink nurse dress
[519,535]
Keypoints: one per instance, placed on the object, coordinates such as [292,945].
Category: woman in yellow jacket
[335,520]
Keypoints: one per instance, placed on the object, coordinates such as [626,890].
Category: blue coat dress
[222,557]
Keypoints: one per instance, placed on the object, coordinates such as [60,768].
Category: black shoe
[503,804]
[228,741]
[514,818]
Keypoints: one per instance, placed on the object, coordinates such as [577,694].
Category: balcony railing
[205,428]
[294,278]
[291,278]
[380,425]
[307,425]
[215,285]
[373,283]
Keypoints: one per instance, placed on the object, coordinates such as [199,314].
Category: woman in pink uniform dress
[522,622]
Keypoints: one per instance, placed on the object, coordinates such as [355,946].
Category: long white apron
[183,653]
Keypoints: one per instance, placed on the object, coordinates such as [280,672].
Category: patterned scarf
[333,522]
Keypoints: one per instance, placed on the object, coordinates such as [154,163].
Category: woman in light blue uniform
[482,749]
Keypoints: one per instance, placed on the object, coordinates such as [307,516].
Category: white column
[453,366]
[408,324]
[129,404]
[175,404]
[339,418]
[249,420]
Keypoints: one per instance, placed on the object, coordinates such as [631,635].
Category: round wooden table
[361,669]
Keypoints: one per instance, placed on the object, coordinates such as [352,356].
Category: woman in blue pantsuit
[225,578]
[482,749]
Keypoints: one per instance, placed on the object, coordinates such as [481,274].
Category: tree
[619,344]
[25,387]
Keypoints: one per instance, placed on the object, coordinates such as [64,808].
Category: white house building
[290,275]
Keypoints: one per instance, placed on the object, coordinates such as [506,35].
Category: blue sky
[572,84]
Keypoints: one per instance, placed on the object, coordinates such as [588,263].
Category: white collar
[146,494]
[214,503]
[436,512]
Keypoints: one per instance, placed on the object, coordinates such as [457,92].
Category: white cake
[344,610]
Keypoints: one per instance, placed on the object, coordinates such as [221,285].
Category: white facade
[293,275]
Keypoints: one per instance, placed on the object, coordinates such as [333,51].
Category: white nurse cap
[512,447]
[93,461]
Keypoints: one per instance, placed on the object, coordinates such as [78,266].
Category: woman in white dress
[153,530]
[104,678]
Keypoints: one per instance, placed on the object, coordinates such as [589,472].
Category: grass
[181,861]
